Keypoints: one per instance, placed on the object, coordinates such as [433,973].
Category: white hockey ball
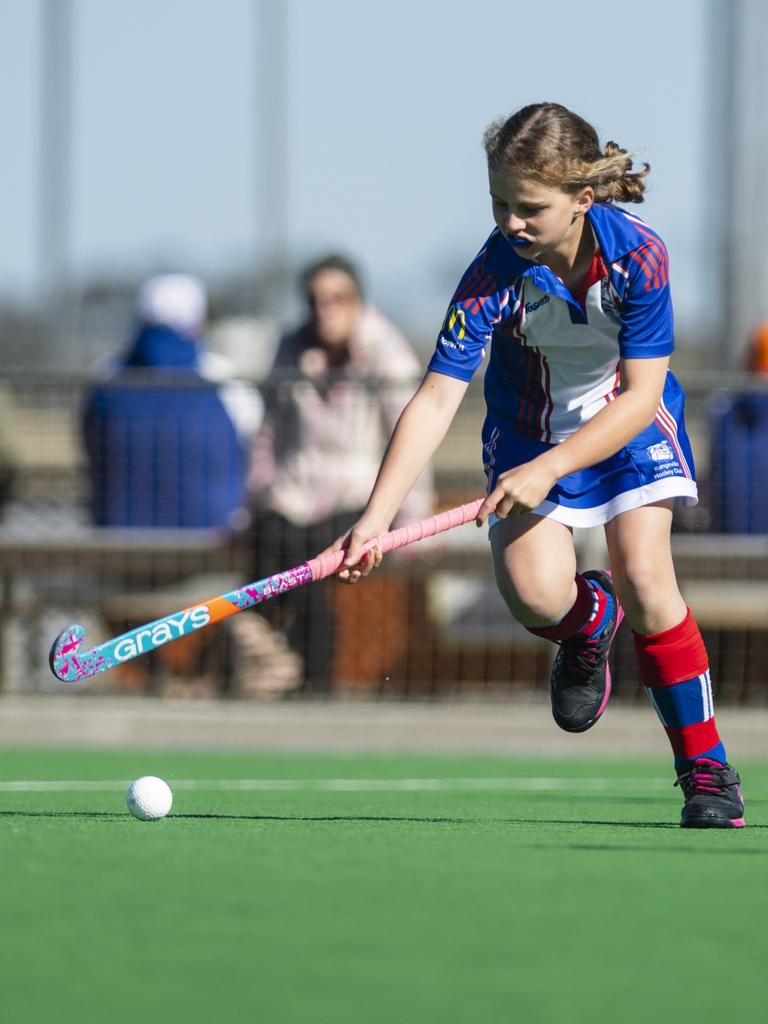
[149,798]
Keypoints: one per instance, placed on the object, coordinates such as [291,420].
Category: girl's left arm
[524,488]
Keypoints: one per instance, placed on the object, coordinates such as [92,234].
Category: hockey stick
[70,664]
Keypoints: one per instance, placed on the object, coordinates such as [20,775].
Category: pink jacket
[322,438]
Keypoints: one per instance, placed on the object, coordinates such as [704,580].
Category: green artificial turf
[579,900]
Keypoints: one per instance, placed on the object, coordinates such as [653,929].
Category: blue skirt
[655,465]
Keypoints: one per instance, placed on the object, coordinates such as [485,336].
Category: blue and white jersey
[554,363]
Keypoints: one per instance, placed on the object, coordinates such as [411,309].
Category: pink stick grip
[327,565]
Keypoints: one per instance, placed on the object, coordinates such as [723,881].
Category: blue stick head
[63,659]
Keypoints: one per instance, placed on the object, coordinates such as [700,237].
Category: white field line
[346,785]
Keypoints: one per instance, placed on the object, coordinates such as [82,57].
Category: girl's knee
[641,577]
[534,563]
[535,602]
[649,594]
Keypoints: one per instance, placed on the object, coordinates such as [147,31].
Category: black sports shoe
[712,794]
[581,678]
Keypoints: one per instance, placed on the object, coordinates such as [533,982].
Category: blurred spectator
[339,383]
[757,353]
[167,435]
[739,450]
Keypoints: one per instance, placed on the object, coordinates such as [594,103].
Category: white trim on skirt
[671,487]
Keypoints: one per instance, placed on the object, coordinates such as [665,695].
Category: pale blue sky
[386,108]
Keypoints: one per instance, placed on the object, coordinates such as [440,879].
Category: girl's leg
[535,568]
[643,571]
[535,565]
[673,662]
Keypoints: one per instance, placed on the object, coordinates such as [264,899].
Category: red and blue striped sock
[589,615]
[675,669]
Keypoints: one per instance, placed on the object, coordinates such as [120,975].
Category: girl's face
[539,220]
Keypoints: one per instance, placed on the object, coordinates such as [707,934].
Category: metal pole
[721,133]
[54,226]
[743,139]
[271,150]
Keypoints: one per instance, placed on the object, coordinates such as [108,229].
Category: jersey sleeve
[647,322]
[468,324]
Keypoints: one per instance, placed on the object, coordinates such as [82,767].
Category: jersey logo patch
[454,316]
[660,452]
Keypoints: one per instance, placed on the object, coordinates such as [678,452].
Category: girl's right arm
[422,426]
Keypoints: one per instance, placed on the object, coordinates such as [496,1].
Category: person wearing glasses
[336,390]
